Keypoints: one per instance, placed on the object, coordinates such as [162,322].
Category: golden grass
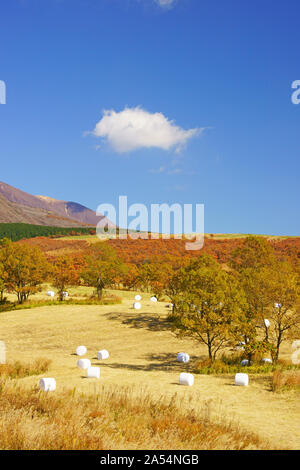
[111,419]
[18,369]
[143,358]
[285,380]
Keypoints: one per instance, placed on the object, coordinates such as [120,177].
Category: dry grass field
[143,362]
[217,236]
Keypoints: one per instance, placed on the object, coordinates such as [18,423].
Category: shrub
[18,370]
[285,380]
[232,365]
[111,300]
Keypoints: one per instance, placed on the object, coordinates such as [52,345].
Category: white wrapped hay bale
[186,379]
[83,363]
[153,299]
[81,350]
[2,353]
[93,372]
[183,357]
[138,297]
[50,293]
[242,380]
[266,360]
[103,354]
[266,322]
[65,295]
[48,384]
[244,362]
[137,306]
[240,346]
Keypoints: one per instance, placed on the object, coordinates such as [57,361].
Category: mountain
[19,206]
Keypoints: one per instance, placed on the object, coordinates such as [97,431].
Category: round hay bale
[93,372]
[266,322]
[186,379]
[266,360]
[83,363]
[245,362]
[103,354]
[81,350]
[50,293]
[240,346]
[153,299]
[138,297]
[137,306]
[183,357]
[47,384]
[241,380]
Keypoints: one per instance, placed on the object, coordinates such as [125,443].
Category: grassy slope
[215,236]
[142,357]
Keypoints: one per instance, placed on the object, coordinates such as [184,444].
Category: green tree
[23,268]
[154,275]
[64,275]
[272,292]
[255,252]
[208,304]
[283,290]
[103,269]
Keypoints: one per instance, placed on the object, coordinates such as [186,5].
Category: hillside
[11,212]
[19,206]
[142,362]
[139,251]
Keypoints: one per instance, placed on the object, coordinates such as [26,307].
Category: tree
[175,282]
[283,291]
[4,242]
[130,278]
[207,305]
[103,269]
[255,252]
[252,319]
[154,275]
[2,283]
[273,293]
[23,269]
[64,275]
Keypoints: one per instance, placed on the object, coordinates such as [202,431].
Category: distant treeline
[19,231]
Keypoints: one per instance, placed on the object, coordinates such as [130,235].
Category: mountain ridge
[19,206]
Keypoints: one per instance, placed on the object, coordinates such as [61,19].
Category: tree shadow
[165,362]
[147,321]
[261,380]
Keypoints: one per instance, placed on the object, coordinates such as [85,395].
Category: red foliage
[136,252]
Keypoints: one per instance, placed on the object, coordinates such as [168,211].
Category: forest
[19,231]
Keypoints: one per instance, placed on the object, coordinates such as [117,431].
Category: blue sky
[210,80]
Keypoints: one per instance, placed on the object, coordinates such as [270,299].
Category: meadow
[138,385]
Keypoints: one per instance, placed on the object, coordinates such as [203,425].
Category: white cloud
[176,171]
[161,169]
[136,128]
[165,3]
